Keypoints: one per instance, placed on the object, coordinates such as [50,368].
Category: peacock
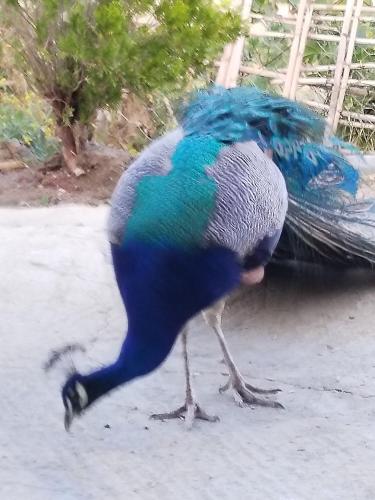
[203,209]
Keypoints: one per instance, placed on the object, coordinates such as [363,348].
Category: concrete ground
[310,334]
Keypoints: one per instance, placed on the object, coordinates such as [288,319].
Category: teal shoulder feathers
[176,208]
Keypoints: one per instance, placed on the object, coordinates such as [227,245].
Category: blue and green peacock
[202,209]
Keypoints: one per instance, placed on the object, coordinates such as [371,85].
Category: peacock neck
[162,288]
[146,346]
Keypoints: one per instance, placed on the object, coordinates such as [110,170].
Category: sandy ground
[313,336]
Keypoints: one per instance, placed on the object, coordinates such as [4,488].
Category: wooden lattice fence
[338,80]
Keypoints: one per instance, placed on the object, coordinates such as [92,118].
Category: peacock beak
[69,415]
[75,400]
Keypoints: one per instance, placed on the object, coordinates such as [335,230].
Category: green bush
[20,124]
[81,55]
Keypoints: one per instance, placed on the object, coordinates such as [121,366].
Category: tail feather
[340,236]
[234,115]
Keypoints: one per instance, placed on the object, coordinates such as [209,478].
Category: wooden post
[230,64]
[224,63]
[300,51]
[295,46]
[348,60]
[341,51]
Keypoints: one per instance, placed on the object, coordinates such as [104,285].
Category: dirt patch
[36,185]
[40,184]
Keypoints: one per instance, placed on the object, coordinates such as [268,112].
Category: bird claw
[241,383]
[188,412]
[243,394]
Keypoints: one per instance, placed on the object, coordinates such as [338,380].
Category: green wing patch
[176,208]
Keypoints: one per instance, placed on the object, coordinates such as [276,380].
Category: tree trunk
[70,148]
[73,135]
[82,134]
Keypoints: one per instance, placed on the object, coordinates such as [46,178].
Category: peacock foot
[243,393]
[188,412]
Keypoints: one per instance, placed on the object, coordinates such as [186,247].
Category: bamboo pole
[312,36]
[234,63]
[236,56]
[317,28]
[274,19]
[331,67]
[347,114]
[252,70]
[348,60]
[295,46]
[317,105]
[325,82]
[365,41]
[368,126]
[359,92]
[249,70]
[326,7]
[223,64]
[229,73]
[301,51]
[335,38]
[271,34]
[341,52]
[359,116]
[316,17]
[367,19]
[327,18]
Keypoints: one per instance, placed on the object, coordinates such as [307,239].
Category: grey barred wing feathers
[251,200]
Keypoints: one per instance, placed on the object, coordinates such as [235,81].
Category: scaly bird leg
[190,410]
[243,392]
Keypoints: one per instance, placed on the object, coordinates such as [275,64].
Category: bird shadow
[293,284]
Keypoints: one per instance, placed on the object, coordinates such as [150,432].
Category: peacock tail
[328,219]
[246,113]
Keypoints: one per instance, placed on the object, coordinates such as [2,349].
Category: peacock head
[75,398]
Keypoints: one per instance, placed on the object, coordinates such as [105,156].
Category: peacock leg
[191,409]
[243,392]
